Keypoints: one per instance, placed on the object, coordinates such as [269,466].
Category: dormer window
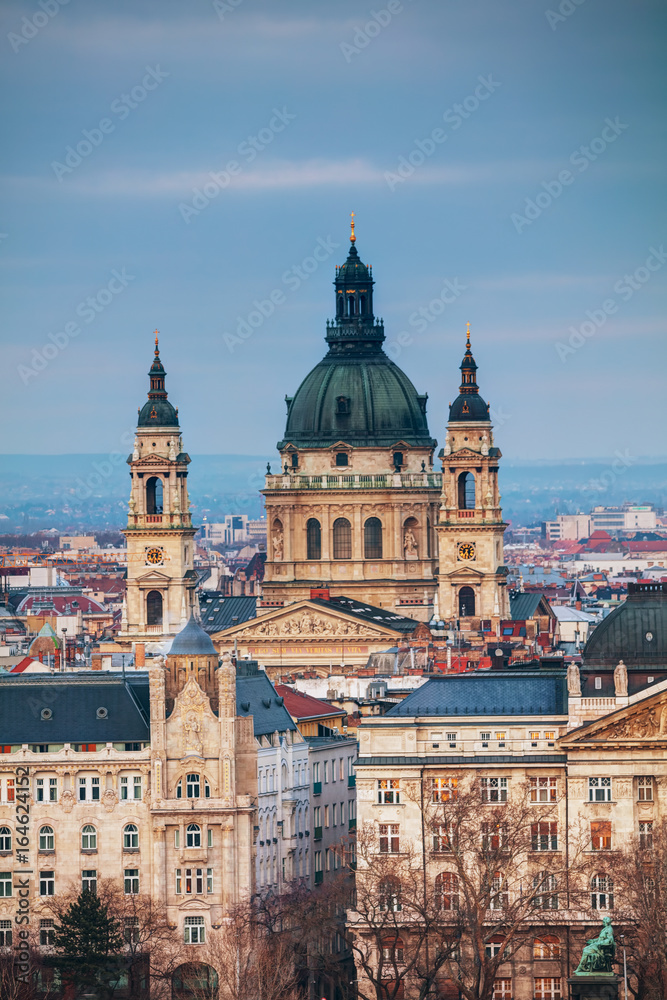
[342,405]
[295,460]
[342,458]
[398,460]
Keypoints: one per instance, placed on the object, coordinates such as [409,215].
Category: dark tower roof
[468,405]
[192,641]
[356,393]
[157,411]
[636,632]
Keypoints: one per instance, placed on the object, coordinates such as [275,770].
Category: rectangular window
[543,789]
[334,814]
[95,789]
[326,772]
[326,817]
[89,880]
[47,884]
[82,789]
[494,837]
[209,881]
[389,838]
[598,683]
[550,737]
[199,881]
[209,837]
[53,789]
[131,881]
[193,930]
[544,836]
[40,790]
[131,931]
[316,771]
[441,841]
[388,791]
[601,835]
[443,789]
[177,838]
[342,814]
[9,789]
[137,786]
[494,789]
[341,769]
[645,788]
[187,885]
[318,861]
[5,884]
[179,882]
[5,933]
[533,737]
[123,788]
[599,789]
[47,934]
[317,816]
[646,835]
[502,989]
[501,736]
[333,770]
[547,988]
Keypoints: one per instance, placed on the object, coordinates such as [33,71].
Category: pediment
[153,576]
[198,904]
[150,460]
[466,453]
[644,722]
[463,572]
[307,621]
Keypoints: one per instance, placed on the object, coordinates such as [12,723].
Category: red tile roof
[302,706]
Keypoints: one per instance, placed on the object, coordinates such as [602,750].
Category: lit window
[444,789]
[601,835]
[392,951]
[544,836]
[547,946]
[194,931]
[388,790]
[447,891]
[494,837]
[547,988]
[543,789]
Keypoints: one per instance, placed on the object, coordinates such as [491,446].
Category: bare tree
[638,879]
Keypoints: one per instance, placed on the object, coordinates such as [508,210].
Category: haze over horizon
[446,128]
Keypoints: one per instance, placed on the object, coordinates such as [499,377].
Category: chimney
[96,661]
[139,656]
[320,592]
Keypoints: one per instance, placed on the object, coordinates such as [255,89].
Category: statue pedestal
[594,986]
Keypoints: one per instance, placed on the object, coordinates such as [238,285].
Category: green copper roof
[157,411]
[356,394]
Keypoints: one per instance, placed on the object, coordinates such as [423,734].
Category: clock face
[467,550]
[154,556]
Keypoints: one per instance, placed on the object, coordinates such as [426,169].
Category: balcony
[319,878]
[398,480]
[465,513]
[153,518]
[317,834]
[317,788]
[351,781]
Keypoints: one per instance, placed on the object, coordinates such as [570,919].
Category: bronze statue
[599,952]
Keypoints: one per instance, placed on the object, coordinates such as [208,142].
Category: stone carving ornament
[278,543]
[650,723]
[621,680]
[67,800]
[573,681]
[308,624]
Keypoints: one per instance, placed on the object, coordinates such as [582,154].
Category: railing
[154,630]
[154,518]
[398,480]
[466,513]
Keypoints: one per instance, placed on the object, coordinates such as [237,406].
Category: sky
[192,167]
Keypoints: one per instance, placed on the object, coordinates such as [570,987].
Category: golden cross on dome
[353,238]
[468,336]
[156,336]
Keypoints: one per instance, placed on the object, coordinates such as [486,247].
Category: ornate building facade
[355,505]
[472,574]
[161,578]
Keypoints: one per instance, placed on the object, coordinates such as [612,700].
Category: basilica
[364,513]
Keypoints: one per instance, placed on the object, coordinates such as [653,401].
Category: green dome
[364,400]
[157,411]
[635,632]
[356,394]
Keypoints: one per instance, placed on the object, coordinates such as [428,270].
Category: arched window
[340,305]
[314,538]
[47,840]
[153,607]
[193,981]
[193,835]
[373,538]
[362,305]
[154,495]
[466,602]
[89,838]
[547,946]
[393,950]
[428,537]
[602,892]
[351,305]
[447,891]
[5,838]
[130,837]
[342,538]
[192,786]
[466,491]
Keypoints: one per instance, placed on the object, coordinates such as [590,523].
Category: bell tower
[160,594]
[472,574]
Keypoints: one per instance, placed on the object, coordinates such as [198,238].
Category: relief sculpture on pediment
[307,624]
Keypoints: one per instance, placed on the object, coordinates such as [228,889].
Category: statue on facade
[409,543]
[573,680]
[621,680]
[599,952]
[278,544]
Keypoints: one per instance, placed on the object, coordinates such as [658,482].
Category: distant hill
[76,492]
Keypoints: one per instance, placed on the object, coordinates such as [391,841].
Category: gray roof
[493,693]
[523,606]
[256,696]
[192,641]
[368,613]
[73,700]
[218,612]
